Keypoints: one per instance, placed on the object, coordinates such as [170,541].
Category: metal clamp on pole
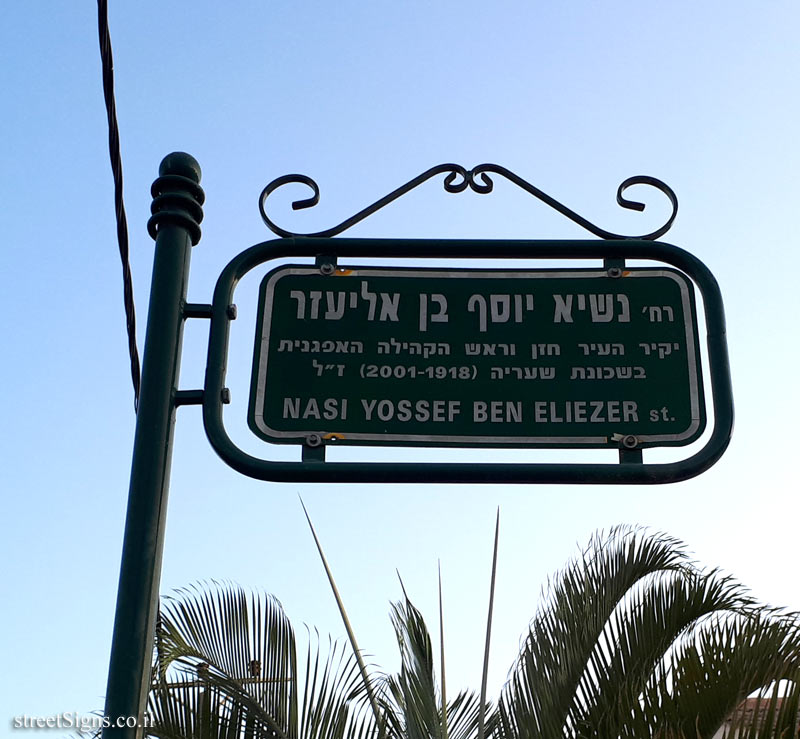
[177,213]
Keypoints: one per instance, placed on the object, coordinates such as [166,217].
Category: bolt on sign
[571,358]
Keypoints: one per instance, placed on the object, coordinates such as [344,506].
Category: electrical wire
[119,206]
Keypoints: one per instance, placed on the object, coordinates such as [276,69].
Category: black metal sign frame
[613,253]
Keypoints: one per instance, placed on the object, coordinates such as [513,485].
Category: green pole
[177,211]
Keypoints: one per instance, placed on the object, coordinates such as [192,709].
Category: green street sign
[558,358]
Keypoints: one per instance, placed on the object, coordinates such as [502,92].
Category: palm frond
[247,646]
[635,641]
[464,711]
[441,655]
[485,672]
[710,674]
[413,702]
[227,668]
[545,691]
[332,691]
[414,688]
[640,632]
[365,677]
[183,710]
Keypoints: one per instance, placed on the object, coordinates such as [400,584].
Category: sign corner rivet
[630,441]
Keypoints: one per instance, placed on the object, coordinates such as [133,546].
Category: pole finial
[177,195]
[182,164]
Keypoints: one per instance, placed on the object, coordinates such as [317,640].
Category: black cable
[116,169]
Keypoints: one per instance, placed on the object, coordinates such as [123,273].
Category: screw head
[630,441]
[313,440]
[615,272]
[326,268]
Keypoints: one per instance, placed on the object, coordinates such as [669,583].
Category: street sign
[469,357]
[559,358]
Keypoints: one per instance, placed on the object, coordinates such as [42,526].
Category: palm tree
[226,666]
[632,640]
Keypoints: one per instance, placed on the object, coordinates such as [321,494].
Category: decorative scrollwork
[457,179]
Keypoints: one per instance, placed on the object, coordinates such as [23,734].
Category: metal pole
[177,211]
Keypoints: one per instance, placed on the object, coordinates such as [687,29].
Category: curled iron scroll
[458,179]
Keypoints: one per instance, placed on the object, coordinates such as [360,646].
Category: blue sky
[574,97]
